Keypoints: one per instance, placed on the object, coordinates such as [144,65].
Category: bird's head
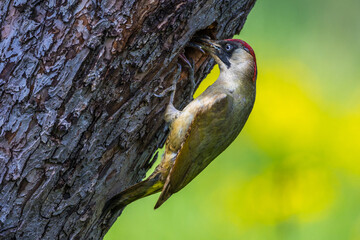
[233,55]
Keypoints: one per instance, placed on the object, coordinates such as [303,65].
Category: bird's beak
[213,48]
[208,45]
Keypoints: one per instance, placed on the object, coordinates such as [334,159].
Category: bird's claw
[190,65]
[172,88]
[175,81]
[163,93]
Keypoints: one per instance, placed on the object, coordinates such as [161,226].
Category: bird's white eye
[228,47]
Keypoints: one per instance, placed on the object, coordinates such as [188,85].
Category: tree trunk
[79,121]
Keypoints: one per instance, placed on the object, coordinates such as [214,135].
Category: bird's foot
[172,88]
[171,112]
[190,65]
[175,81]
[163,93]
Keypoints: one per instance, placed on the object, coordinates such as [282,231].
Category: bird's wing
[205,140]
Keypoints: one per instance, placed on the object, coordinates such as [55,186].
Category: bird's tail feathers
[165,194]
[142,189]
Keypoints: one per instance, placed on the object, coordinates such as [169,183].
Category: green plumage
[203,129]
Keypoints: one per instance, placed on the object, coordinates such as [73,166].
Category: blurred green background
[294,171]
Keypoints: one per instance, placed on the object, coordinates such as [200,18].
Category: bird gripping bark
[205,127]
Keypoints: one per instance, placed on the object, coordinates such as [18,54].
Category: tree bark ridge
[79,120]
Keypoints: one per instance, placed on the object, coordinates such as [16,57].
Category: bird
[205,127]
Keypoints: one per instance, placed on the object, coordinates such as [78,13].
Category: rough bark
[79,121]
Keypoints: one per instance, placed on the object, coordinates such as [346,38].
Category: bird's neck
[237,78]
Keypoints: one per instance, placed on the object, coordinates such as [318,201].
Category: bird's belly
[178,130]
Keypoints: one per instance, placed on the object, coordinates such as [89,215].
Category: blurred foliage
[293,172]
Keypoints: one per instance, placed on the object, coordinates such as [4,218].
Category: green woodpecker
[205,127]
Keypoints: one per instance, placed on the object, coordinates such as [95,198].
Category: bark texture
[79,121]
